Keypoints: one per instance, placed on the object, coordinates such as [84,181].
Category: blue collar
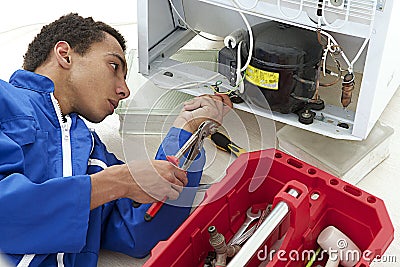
[32,81]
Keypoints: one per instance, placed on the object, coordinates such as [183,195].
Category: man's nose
[123,90]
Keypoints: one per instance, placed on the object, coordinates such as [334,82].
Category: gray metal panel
[214,19]
[155,23]
[160,33]
[161,22]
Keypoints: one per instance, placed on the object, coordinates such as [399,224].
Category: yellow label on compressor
[262,78]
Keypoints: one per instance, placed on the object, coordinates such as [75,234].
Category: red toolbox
[324,200]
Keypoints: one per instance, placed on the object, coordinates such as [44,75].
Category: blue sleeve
[33,213]
[137,237]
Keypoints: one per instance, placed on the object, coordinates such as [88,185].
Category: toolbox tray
[358,214]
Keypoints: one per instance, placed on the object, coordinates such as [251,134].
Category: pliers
[194,144]
[192,147]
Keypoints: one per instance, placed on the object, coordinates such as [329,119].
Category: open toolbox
[323,200]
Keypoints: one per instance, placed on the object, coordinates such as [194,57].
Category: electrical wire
[239,69]
[189,27]
[250,52]
[239,77]
[349,64]
[331,47]
[366,39]
[238,6]
[335,44]
[251,41]
[189,85]
[215,87]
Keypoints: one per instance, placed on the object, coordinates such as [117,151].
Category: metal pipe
[262,233]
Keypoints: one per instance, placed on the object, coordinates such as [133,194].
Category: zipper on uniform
[65,137]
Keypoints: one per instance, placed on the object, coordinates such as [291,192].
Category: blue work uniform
[45,187]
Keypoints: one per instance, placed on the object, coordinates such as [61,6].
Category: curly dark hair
[79,32]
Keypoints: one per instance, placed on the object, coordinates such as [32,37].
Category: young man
[62,195]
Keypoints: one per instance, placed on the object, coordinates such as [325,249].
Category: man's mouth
[114,103]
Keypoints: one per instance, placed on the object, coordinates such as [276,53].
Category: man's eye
[115,66]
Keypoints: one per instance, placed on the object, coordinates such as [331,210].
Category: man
[62,195]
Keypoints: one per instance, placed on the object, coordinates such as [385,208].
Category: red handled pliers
[192,147]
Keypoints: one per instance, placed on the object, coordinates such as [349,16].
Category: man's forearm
[108,185]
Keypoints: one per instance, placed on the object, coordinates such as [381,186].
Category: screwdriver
[225,144]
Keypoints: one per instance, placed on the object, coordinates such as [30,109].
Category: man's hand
[201,108]
[152,180]
[142,181]
[156,179]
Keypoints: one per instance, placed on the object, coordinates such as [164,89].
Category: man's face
[97,80]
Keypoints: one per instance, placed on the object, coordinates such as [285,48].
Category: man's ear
[62,51]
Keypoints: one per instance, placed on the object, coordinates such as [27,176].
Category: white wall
[20,21]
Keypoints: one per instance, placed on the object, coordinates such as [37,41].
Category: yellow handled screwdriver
[225,144]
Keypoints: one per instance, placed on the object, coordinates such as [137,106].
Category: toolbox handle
[299,216]
[298,206]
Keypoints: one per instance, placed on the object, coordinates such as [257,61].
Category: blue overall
[45,218]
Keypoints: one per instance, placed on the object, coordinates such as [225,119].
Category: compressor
[284,66]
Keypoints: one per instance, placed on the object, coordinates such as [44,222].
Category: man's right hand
[156,179]
[143,181]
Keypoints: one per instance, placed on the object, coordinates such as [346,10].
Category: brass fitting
[223,251]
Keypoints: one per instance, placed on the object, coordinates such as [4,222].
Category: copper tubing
[347,89]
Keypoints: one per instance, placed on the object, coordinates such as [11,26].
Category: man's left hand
[201,108]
